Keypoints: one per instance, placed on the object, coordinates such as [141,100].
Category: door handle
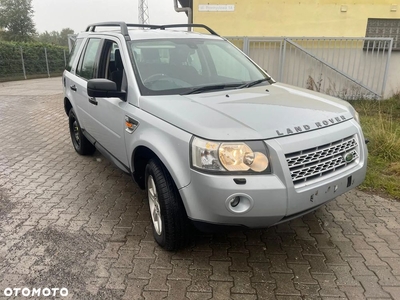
[73,87]
[93,101]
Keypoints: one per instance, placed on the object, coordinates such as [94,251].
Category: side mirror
[104,88]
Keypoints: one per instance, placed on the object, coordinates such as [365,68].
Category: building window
[386,28]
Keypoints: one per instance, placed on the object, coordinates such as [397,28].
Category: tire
[79,141]
[168,215]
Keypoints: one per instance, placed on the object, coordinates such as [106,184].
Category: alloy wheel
[154,205]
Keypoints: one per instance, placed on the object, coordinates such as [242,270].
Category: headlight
[357,117]
[232,156]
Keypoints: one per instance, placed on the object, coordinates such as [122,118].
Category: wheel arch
[67,105]
[144,152]
[140,157]
[156,138]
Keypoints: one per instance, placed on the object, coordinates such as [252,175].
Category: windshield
[180,66]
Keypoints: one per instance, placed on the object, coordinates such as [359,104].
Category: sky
[55,15]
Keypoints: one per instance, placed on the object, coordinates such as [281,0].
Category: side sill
[106,154]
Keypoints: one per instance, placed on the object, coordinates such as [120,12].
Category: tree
[16,20]
[64,36]
[55,37]
[49,37]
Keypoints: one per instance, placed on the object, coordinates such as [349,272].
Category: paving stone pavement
[80,223]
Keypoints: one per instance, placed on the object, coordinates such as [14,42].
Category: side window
[226,65]
[194,61]
[73,54]
[111,65]
[112,51]
[164,56]
[86,67]
[114,59]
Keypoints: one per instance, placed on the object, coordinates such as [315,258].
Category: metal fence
[349,68]
[31,62]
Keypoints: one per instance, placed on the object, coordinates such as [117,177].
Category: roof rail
[189,25]
[124,27]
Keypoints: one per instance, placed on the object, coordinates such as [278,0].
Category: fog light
[239,203]
[235,202]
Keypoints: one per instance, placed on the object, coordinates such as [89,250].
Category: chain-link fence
[31,61]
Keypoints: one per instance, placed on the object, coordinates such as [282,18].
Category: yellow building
[292,17]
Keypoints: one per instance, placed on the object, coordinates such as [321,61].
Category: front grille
[317,162]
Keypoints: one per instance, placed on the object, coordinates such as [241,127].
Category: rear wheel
[168,215]
[79,141]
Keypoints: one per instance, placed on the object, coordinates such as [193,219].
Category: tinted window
[107,64]
[73,53]
[111,66]
[87,65]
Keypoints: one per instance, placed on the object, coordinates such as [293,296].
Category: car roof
[143,32]
[168,34]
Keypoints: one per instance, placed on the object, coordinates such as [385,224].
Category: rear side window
[87,65]
[73,54]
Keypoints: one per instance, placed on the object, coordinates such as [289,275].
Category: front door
[107,115]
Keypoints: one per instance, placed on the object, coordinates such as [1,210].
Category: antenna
[143,12]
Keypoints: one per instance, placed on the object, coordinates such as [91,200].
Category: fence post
[47,62]
[65,59]
[282,61]
[246,45]
[386,68]
[22,60]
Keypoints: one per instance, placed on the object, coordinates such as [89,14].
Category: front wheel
[79,141]
[168,215]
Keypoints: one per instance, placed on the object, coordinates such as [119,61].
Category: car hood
[262,112]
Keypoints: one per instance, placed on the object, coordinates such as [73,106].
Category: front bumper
[273,198]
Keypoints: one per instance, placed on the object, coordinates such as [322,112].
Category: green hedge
[34,60]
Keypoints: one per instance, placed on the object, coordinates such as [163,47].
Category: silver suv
[210,135]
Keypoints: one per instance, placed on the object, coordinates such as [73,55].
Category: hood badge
[348,157]
[316,125]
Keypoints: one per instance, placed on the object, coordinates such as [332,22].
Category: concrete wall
[393,83]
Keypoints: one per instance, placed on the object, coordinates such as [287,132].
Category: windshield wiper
[253,83]
[211,87]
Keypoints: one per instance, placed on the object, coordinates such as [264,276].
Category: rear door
[69,77]
[86,70]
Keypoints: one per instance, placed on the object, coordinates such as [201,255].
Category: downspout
[187,10]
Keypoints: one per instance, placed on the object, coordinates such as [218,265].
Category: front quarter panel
[168,142]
